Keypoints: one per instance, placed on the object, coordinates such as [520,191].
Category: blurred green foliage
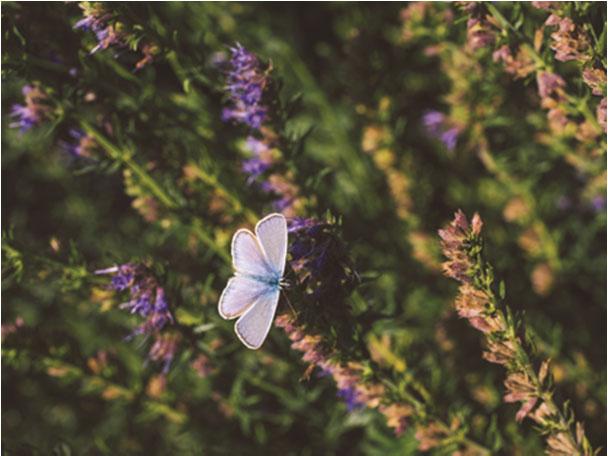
[168,191]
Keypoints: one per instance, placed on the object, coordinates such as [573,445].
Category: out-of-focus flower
[425,249]
[520,66]
[149,51]
[568,41]
[146,297]
[547,6]
[96,19]
[83,145]
[10,328]
[320,260]
[439,127]
[601,113]
[147,206]
[349,396]
[516,210]
[412,15]
[156,386]
[542,279]
[285,191]
[98,362]
[110,33]
[530,242]
[550,84]
[430,435]
[355,391]
[598,203]
[396,416]
[595,78]
[164,348]
[480,32]
[245,85]
[261,159]
[202,366]
[33,112]
[95,16]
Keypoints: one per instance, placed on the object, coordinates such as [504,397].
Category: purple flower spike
[33,112]
[349,396]
[146,298]
[245,84]
[437,125]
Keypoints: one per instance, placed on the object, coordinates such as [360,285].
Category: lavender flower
[595,78]
[146,298]
[255,167]
[550,84]
[350,397]
[438,126]
[600,112]
[598,203]
[245,86]
[352,387]
[260,160]
[83,145]
[569,42]
[164,349]
[96,19]
[111,33]
[33,112]
[320,260]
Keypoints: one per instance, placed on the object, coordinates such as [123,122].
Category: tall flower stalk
[250,90]
[477,301]
[148,300]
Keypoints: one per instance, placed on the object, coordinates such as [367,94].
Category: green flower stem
[148,181]
[522,362]
[212,181]
[578,103]
[126,159]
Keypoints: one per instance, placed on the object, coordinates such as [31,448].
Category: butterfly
[252,294]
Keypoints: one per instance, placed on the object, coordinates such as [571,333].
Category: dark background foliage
[64,217]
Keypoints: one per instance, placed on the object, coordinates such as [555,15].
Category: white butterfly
[253,293]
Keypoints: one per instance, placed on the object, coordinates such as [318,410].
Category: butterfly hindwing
[271,232]
[240,293]
[254,325]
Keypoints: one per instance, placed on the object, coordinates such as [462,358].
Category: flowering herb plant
[137,139]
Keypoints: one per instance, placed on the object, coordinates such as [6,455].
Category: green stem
[126,159]
[212,181]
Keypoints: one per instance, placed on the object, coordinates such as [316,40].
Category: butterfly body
[252,294]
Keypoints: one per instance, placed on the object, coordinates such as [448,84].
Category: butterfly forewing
[271,232]
[253,326]
[240,293]
[247,255]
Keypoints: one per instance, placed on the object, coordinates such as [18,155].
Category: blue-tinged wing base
[239,295]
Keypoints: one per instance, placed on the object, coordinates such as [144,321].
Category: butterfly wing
[253,326]
[247,255]
[240,293]
[271,231]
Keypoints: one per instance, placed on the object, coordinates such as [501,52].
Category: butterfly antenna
[295,314]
